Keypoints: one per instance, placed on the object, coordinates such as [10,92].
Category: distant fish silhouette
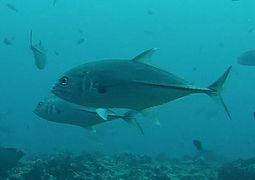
[7,42]
[251,30]
[80,41]
[56,53]
[198,145]
[247,58]
[12,7]
[150,12]
[39,53]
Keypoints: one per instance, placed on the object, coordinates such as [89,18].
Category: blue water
[196,40]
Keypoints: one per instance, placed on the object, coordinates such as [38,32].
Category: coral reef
[9,158]
[238,170]
[97,166]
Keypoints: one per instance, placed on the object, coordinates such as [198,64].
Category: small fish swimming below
[57,110]
[12,7]
[39,53]
[247,58]
[206,155]
[198,145]
[81,41]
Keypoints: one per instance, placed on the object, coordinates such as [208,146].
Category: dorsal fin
[145,56]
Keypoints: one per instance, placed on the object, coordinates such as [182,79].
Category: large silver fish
[129,84]
[39,53]
[57,110]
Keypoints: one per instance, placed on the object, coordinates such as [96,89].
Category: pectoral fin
[103,113]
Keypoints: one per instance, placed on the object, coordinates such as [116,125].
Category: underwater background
[196,40]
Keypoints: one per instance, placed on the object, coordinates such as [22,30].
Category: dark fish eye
[64,81]
[40,104]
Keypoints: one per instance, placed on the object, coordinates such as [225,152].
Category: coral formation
[93,166]
[238,170]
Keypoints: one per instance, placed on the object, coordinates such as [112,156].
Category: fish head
[74,86]
[47,109]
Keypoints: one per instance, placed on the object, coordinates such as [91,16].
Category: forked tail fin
[216,89]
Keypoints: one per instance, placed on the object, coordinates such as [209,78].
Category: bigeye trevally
[57,110]
[131,84]
[39,53]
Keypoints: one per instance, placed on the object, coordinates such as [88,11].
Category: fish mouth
[61,93]
[36,111]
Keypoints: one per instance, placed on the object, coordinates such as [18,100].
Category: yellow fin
[149,113]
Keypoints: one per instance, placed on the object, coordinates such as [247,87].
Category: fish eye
[64,81]
[40,104]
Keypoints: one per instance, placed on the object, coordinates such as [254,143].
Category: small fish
[247,58]
[254,115]
[56,53]
[221,44]
[80,41]
[7,42]
[131,84]
[198,145]
[57,110]
[251,30]
[39,54]
[150,12]
[12,7]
